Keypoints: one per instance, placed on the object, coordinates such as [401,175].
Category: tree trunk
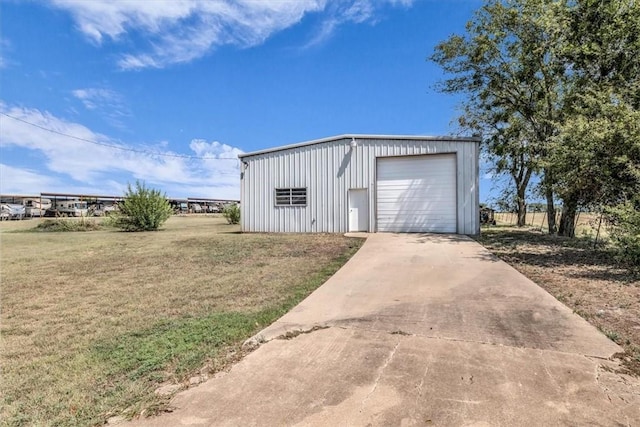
[568,218]
[522,207]
[521,177]
[551,208]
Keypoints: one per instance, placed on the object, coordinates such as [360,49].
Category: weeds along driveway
[414,330]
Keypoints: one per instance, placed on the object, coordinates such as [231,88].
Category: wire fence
[587,223]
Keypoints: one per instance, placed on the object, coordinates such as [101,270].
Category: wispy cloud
[104,169]
[341,12]
[92,96]
[108,103]
[23,181]
[5,47]
[181,31]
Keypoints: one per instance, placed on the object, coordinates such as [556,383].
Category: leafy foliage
[597,152]
[232,213]
[506,65]
[143,209]
[554,86]
[624,221]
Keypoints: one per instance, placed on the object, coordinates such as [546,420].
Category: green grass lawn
[94,322]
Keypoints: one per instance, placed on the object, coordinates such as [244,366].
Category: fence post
[595,242]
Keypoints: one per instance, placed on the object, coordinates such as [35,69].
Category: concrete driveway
[420,330]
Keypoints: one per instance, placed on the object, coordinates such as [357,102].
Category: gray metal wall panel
[329,169]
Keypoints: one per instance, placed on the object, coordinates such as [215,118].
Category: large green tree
[554,87]
[507,67]
[598,148]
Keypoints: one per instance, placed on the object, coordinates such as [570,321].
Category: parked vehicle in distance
[215,208]
[102,209]
[12,211]
[51,213]
[195,208]
[36,207]
[181,208]
[71,208]
[487,216]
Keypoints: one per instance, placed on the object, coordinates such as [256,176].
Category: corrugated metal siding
[328,170]
[417,193]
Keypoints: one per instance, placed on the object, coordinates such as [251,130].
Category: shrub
[232,213]
[143,209]
[624,221]
[61,224]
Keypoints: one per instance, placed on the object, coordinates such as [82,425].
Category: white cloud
[181,31]
[106,102]
[5,46]
[23,181]
[96,168]
[214,150]
[90,96]
[341,12]
[489,175]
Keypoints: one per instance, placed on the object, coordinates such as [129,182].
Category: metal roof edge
[360,136]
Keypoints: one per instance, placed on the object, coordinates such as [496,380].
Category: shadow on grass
[538,249]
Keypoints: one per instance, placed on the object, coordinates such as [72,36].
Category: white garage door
[417,193]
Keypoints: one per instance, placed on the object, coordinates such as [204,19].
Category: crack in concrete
[495,344]
[382,369]
[294,333]
[420,388]
[550,375]
[421,384]
[602,387]
[465,401]
[259,339]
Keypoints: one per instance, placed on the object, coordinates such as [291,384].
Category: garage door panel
[417,194]
[436,195]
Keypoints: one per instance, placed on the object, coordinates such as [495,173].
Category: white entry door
[358,210]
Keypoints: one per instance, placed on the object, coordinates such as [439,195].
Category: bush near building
[232,213]
[143,209]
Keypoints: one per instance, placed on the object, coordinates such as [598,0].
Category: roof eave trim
[360,136]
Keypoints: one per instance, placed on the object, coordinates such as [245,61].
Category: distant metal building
[374,183]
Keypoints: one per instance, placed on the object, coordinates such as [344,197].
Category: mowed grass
[94,322]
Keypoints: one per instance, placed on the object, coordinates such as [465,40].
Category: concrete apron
[420,330]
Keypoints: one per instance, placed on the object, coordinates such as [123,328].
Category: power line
[117,147]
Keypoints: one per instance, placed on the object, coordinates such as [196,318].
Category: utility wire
[103,144]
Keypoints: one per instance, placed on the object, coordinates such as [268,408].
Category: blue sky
[170,92]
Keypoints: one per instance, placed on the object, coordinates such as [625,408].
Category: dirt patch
[586,279]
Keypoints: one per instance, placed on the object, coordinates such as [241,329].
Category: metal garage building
[371,183]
